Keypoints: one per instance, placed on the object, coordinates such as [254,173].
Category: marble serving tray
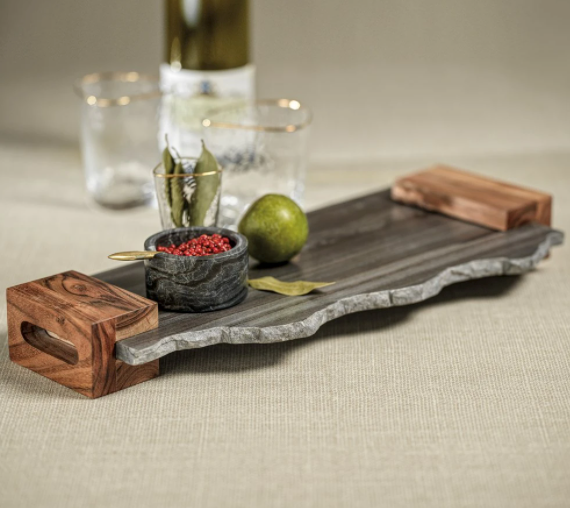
[379,254]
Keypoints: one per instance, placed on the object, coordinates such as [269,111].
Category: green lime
[275,227]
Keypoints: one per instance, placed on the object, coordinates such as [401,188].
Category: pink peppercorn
[204,245]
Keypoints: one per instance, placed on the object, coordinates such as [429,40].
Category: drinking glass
[119,136]
[183,108]
[180,203]
[262,148]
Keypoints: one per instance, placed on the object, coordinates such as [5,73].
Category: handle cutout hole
[49,343]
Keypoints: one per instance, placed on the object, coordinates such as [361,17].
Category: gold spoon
[133,255]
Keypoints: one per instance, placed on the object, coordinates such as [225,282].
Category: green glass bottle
[207,65]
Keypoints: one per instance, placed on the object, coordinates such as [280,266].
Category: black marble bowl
[196,283]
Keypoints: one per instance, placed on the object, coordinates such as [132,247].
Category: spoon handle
[133,255]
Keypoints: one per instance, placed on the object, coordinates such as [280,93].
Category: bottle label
[189,95]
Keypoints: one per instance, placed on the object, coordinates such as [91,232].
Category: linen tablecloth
[462,401]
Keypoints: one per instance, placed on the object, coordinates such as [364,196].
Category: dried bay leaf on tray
[296,288]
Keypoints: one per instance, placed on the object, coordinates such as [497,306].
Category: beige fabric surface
[463,401]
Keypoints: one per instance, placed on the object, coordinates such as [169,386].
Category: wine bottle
[207,66]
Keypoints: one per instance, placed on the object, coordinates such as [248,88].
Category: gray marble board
[380,254]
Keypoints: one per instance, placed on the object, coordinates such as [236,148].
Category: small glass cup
[180,203]
[262,148]
[119,136]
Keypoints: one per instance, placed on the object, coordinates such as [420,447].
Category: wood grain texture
[65,328]
[378,252]
[473,198]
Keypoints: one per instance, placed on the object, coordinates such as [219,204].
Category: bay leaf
[168,163]
[296,288]
[177,193]
[206,187]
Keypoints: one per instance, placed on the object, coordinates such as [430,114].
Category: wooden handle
[133,255]
[50,343]
[65,328]
[473,198]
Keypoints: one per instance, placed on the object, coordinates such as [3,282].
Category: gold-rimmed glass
[119,136]
[262,148]
[176,194]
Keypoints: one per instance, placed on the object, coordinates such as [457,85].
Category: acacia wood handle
[65,328]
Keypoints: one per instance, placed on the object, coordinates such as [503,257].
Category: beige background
[460,402]
[386,78]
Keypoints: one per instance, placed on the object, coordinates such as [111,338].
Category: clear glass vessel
[206,65]
[262,148]
[188,199]
[119,136]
